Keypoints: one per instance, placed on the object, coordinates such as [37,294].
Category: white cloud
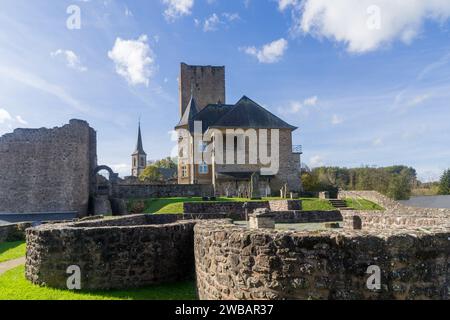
[316,161]
[7,119]
[134,60]
[20,120]
[5,116]
[71,59]
[365,25]
[177,8]
[269,53]
[284,4]
[297,106]
[311,101]
[231,16]
[211,23]
[336,119]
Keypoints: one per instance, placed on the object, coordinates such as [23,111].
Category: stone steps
[338,204]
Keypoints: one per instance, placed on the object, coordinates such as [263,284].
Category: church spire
[139,157]
[139,146]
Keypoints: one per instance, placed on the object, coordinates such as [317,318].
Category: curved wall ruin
[127,252]
[238,263]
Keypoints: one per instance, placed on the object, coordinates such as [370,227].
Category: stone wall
[237,263]
[307,216]
[205,83]
[236,209]
[137,191]
[373,196]
[47,170]
[392,220]
[396,215]
[126,252]
[13,232]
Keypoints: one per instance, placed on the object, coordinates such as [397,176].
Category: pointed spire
[139,146]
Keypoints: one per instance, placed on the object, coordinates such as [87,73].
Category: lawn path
[8,265]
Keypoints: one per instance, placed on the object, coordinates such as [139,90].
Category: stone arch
[113,177]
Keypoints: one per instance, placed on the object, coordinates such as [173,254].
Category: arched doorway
[103,185]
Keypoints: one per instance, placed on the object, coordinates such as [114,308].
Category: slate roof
[244,114]
[189,115]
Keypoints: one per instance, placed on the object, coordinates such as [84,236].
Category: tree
[444,184]
[167,163]
[151,174]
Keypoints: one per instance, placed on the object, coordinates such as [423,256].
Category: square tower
[205,83]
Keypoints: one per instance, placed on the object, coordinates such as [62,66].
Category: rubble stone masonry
[238,263]
[47,170]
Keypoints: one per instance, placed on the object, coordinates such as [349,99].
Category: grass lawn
[14,286]
[12,250]
[362,204]
[175,205]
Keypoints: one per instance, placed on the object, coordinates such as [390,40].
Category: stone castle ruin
[233,262]
[47,170]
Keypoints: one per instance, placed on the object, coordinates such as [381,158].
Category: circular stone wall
[111,254]
[237,263]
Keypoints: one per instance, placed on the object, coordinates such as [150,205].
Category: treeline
[396,182]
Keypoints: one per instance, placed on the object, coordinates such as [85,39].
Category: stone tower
[206,84]
[139,157]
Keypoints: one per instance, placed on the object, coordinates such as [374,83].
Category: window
[184,172]
[142,162]
[203,168]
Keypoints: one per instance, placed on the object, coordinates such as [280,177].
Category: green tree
[444,184]
[167,163]
[151,174]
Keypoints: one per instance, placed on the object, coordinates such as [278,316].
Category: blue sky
[367,82]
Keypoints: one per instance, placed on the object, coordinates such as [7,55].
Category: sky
[367,82]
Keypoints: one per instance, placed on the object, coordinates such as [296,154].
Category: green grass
[14,286]
[12,250]
[175,205]
[315,204]
[362,204]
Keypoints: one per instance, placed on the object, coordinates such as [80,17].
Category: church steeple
[139,157]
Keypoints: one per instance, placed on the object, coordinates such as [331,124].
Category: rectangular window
[184,171]
[203,168]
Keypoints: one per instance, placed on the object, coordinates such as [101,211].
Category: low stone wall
[233,209]
[238,263]
[126,252]
[373,196]
[8,218]
[137,191]
[307,216]
[285,205]
[392,220]
[236,209]
[13,232]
